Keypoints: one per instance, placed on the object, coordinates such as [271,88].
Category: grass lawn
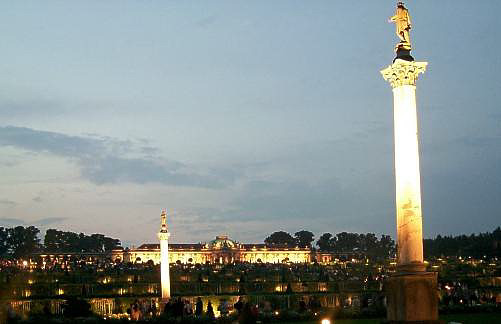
[482,318]
[486,318]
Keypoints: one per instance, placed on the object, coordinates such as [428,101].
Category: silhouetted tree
[60,241]
[4,243]
[22,241]
[324,243]
[304,238]
[484,244]
[280,239]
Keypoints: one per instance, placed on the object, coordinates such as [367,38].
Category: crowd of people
[246,312]
[243,311]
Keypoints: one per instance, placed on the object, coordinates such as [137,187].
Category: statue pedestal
[412,297]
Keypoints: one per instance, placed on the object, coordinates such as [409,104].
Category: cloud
[41,222]
[206,21]
[7,202]
[49,221]
[11,222]
[105,160]
[35,107]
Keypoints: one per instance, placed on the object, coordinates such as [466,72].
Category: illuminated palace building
[220,250]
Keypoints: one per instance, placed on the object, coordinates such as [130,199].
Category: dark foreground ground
[457,318]
[478,318]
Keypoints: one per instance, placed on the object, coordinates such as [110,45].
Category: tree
[325,242]
[386,246]
[59,241]
[280,239]
[347,242]
[23,241]
[304,238]
[4,244]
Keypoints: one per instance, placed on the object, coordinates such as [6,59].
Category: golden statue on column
[402,20]
[164,221]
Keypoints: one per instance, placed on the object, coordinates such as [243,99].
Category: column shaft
[407,177]
[164,268]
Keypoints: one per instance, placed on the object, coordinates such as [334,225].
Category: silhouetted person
[223,308]
[239,305]
[178,307]
[199,307]
[247,316]
[302,306]
[210,311]
[168,309]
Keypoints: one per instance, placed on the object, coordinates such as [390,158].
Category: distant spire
[164,221]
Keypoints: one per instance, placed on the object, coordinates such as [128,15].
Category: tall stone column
[402,76]
[411,292]
[163,236]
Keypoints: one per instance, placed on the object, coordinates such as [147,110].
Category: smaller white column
[163,236]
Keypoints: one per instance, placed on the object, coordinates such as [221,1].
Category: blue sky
[241,117]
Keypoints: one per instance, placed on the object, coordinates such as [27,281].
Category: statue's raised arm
[402,20]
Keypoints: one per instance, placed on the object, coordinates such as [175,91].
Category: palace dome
[222,241]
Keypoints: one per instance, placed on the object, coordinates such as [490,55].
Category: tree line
[344,242]
[474,245]
[20,242]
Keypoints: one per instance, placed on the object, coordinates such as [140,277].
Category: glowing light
[276,313]
[326,321]
[25,263]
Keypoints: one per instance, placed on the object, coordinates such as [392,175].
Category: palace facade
[220,250]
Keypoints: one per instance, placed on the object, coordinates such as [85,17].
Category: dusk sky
[242,117]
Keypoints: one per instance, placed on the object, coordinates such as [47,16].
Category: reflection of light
[30,282]
[326,321]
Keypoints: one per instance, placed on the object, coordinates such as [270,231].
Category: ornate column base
[412,297]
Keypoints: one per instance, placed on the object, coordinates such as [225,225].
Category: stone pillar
[163,236]
[411,292]
[402,76]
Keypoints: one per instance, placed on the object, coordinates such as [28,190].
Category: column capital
[403,72]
